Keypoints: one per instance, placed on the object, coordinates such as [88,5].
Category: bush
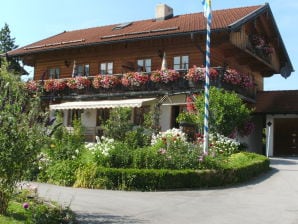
[118,123]
[121,156]
[87,177]
[138,137]
[42,213]
[239,167]
[66,145]
[61,173]
[22,132]
[227,111]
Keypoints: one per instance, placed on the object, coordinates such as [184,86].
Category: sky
[33,20]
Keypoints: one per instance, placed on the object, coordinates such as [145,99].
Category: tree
[7,43]
[227,112]
[21,132]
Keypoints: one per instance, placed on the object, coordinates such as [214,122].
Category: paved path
[271,198]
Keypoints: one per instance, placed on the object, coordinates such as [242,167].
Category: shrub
[22,132]
[118,123]
[121,156]
[227,111]
[241,167]
[61,173]
[100,149]
[66,145]
[87,176]
[138,137]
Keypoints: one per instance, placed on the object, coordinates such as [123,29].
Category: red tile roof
[139,29]
[277,102]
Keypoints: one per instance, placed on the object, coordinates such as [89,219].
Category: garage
[279,110]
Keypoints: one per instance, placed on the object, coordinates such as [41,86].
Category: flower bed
[166,76]
[134,79]
[196,74]
[261,47]
[162,80]
[79,82]
[32,85]
[54,85]
[105,81]
[236,78]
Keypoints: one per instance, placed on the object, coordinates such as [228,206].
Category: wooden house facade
[91,70]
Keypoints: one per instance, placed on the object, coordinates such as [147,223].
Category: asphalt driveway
[270,198]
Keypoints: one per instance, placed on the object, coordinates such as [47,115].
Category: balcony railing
[144,84]
[259,47]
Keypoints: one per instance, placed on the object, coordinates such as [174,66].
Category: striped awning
[100,104]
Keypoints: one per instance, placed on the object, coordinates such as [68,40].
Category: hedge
[241,168]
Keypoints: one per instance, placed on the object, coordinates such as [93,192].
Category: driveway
[270,198]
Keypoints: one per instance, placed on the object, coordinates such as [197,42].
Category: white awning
[100,104]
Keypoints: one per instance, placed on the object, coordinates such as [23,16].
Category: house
[86,72]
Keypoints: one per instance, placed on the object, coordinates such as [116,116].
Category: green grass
[16,214]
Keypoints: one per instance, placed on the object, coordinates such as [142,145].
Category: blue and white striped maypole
[207,14]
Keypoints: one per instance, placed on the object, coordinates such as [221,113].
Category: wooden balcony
[149,89]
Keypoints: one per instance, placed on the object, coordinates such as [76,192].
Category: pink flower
[166,76]
[32,85]
[199,74]
[26,205]
[134,79]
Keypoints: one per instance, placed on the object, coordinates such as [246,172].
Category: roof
[277,102]
[177,25]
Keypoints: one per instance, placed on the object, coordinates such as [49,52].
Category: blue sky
[33,20]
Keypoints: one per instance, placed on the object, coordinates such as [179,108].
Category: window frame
[109,67]
[181,64]
[54,73]
[143,65]
[82,70]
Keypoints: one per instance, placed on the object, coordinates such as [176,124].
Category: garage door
[286,137]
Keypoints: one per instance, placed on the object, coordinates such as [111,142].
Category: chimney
[163,12]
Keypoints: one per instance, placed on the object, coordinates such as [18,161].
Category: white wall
[254,140]
[165,117]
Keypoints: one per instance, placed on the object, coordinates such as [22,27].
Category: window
[106,68]
[139,114]
[54,73]
[82,70]
[144,65]
[181,62]
[122,25]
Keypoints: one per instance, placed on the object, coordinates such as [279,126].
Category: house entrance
[285,136]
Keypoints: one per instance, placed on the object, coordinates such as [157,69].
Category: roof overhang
[101,104]
[287,67]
